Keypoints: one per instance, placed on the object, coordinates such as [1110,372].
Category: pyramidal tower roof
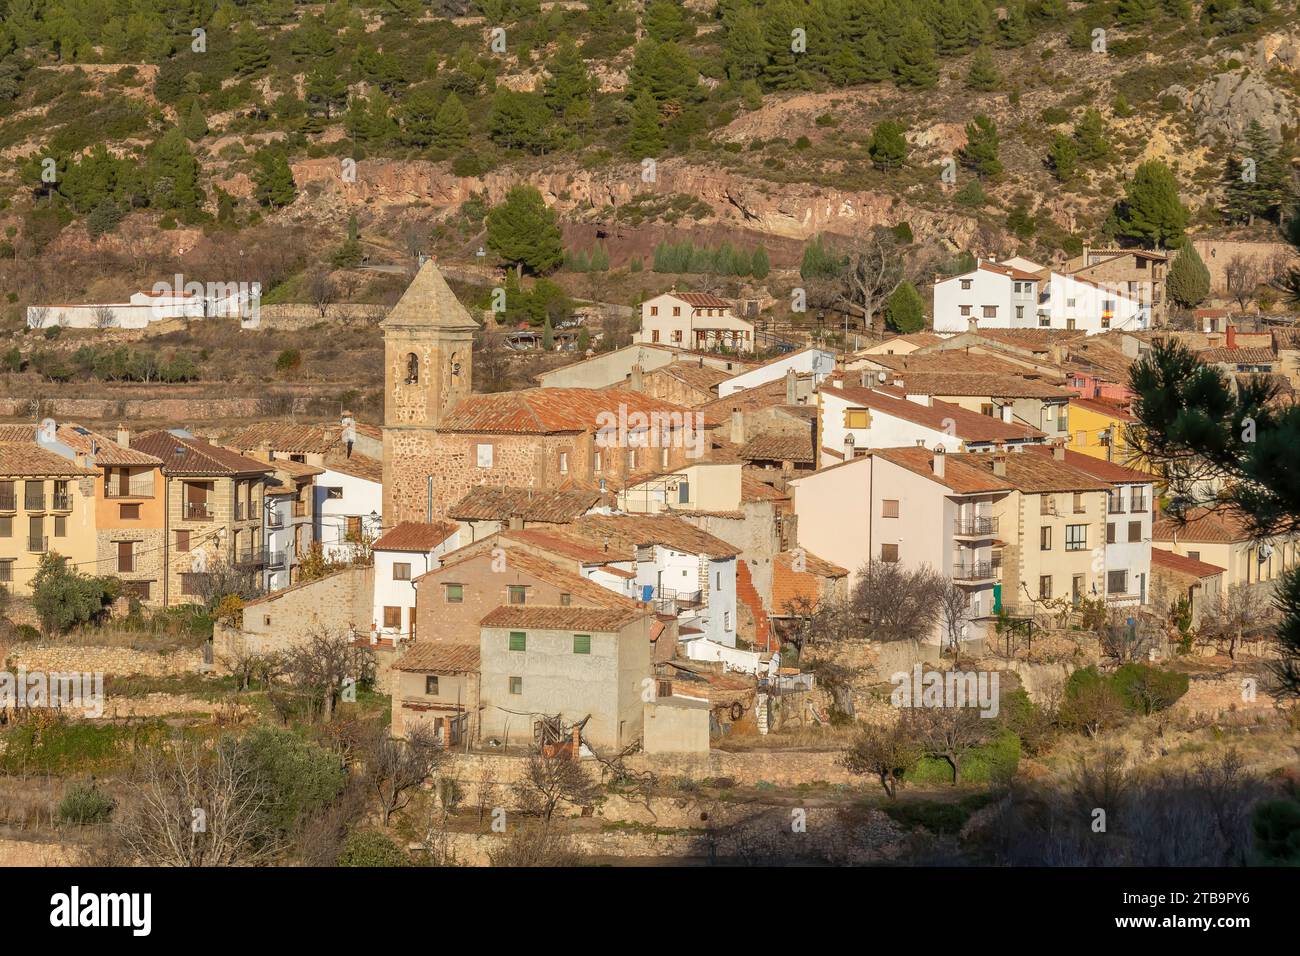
[428,302]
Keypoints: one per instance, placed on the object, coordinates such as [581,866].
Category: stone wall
[336,602]
[118,661]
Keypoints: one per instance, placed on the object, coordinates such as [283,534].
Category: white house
[194,300]
[854,419]
[401,555]
[810,361]
[992,295]
[1069,302]
[288,526]
[694,320]
[349,504]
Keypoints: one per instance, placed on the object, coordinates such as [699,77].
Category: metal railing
[249,556]
[976,526]
[975,571]
[274,520]
[38,544]
[34,502]
[198,511]
[8,501]
[275,559]
[137,487]
[1114,505]
[61,502]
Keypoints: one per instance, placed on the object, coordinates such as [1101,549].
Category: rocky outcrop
[1224,105]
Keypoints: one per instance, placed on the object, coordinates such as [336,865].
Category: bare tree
[886,753]
[1241,610]
[320,289]
[954,612]
[1242,277]
[534,843]
[324,664]
[38,316]
[104,317]
[896,603]
[873,271]
[193,808]
[950,733]
[393,768]
[552,780]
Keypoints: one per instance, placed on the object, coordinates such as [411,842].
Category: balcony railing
[8,501]
[274,520]
[138,487]
[973,527]
[38,544]
[249,556]
[1114,506]
[275,559]
[34,502]
[62,502]
[975,571]
[1139,505]
[198,511]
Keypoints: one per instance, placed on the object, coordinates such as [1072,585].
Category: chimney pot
[737,427]
[938,462]
[792,386]
[123,436]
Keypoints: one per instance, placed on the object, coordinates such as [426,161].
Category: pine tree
[1136,13]
[250,52]
[759,265]
[981,150]
[1189,281]
[783,68]
[1090,136]
[888,146]
[273,179]
[174,173]
[904,310]
[667,20]
[451,124]
[326,90]
[645,138]
[744,50]
[1063,157]
[1151,211]
[1257,180]
[196,126]
[567,80]
[523,231]
[915,57]
[983,75]
[1014,29]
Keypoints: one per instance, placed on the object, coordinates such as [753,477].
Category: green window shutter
[582,643]
[518,641]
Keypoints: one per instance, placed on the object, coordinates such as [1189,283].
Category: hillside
[225,140]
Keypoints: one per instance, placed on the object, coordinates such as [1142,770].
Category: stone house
[214,511]
[437,685]
[1140,273]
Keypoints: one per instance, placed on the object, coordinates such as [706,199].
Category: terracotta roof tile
[487,503]
[1237,356]
[27,458]
[286,438]
[777,447]
[703,377]
[967,425]
[82,440]
[963,383]
[1160,558]
[1103,408]
[754,489]
[358,466]
[958,476]
[1202,526]
[415,536]
[584,592]
[542,411]
[434,657]
[1036,474]
[1108,471]
[548,617]
[624,533]
[187,455]
[702,300]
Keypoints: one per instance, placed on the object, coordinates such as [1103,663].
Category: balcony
[274,519]
[138,487]
[8,501]
[275,560]
[1114,506]
[978,527]
[248,556]
[976,572]
[38,544]
[61,501]
[198,511]
[34,502]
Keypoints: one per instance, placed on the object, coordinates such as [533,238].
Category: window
[595,462]
[266,620]
[126,555]
[517,594]
[677,310]
[889,508]
[857,418]
[1110,532]
[516,685]
[333,494]
[1020,312]
[564,462]
[392,617]
[1076,537]
[990,311]
[518,641]
[965,310]
[663,457]
[1044,320]
[431,686]
[1045,587]
[986,408]
[1116,582]
[965,283]
[889,553]
[1134,531]
[726,620]
[654,335]
[129,512]
[1045,538]
[1194,555]
[6,527]
[1046,505]
[484,456]
[401,570]
[7,570]
[1081,438]
[182,540]
[677,335]
[1078,503]
[455,593]
[566,599]
[1069,303]
[137,589]
[354,528]
[654,310]
[412,369]
[582,643]
[60,526]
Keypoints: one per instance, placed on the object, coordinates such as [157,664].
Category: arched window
[412,369]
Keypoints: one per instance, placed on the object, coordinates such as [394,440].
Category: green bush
[991,764]
[1147,689]
[288,360]
[85,805]
[937,816]
[1277,832]
[299,775]
[371,848]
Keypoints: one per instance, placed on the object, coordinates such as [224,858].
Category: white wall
[361,498]
[1071,302]
[986,288]
[391,593]
[834,511]
[885,431]
[816,362]
[1133,557]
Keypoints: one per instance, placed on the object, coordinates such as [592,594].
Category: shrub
[1147,689]
[288,360]
[1276,824]
[371,848]
[85,805]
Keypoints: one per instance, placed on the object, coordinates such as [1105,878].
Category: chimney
[1000,464]
[972,325]
[1232,336]
[1058,450]
[517,521]
[737,427]
[635,379]
[123,436]
[938,463]
[1006,414]
[792,387]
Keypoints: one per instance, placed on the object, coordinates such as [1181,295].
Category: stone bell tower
[428,339]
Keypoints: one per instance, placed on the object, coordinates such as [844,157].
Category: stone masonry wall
[119,661]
